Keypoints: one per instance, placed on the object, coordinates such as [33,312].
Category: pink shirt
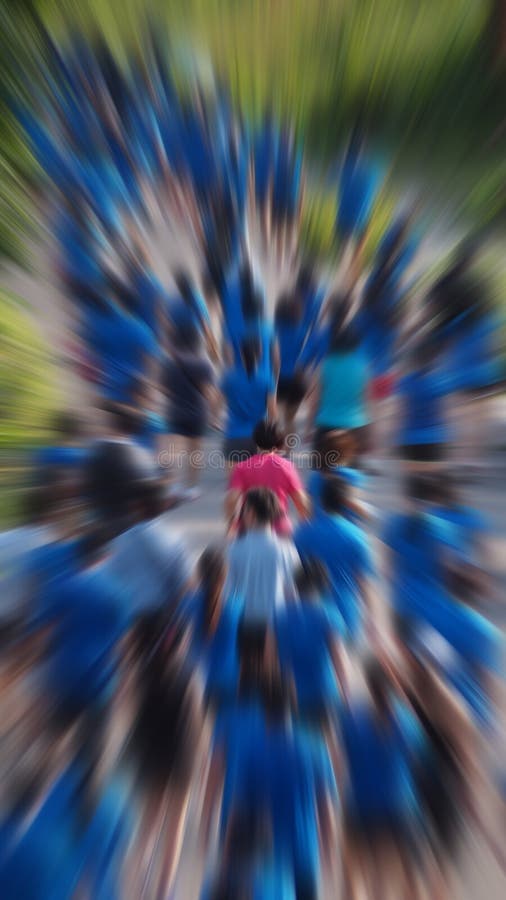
[269,470]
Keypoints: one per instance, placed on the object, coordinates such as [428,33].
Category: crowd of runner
[317,690]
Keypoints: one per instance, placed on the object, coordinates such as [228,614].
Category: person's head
[151,499]
[122,292]
[123,420]
[393,241]
[39,502]
[213,276]
[212,571]
[252,304]
[335,448]
[463,580]
[93,545]
[67,426]
[268,436]
[334,496]
[465,256]
[420,489]
[157,641]
[344,335]
[260,509]
[187,338]
[305,277]
[184,285]
[379,685]
[425,351]
[288,309]
[311,579]
[445,490]
[246,276]
[210,284]
[251,350]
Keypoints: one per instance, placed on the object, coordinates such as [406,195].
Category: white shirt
[260,573]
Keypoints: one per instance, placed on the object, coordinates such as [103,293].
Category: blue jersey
[61,846]
[424,419]
[305,633]
[344,550]
[122,344]
[381,785]
[81,665]
[246,400]
[291,339]
[215,653]
[317,479]
[358,187]
[417,542]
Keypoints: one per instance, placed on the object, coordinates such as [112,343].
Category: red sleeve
[238,481]
[294,484]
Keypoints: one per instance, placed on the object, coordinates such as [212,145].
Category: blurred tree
[28,377]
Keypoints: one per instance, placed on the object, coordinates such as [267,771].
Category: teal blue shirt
[343,390]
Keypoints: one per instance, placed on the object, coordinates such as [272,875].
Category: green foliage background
[422,75]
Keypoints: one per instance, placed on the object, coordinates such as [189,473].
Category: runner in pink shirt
[267,469]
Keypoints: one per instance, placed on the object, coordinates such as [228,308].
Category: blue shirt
[357,191]
[81,666]
[381,783]
[417,542]
[217,653]
[305,632]
[344,549]
[122,343]
[344,378]
[291,339]
[317,478]
[72,457]
[424,421]
[59,846]
[193,314]
[246,399]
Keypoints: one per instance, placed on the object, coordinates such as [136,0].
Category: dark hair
[209,281]
[425,351]
[332,446]
[211,570]
[186,337]
[405,629]
[311,577]
[264,504]
[252,304]
[123,293]
[39,500]
[151,495]
[93,542]
[459,297]
[268,435]
[420,487]
[123,418]
[305,277]
[288,310]
[67,425]
[343,337]
[392,242]
[378,684]
[334,494]
[462,583]
[183,284]
[251,349]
